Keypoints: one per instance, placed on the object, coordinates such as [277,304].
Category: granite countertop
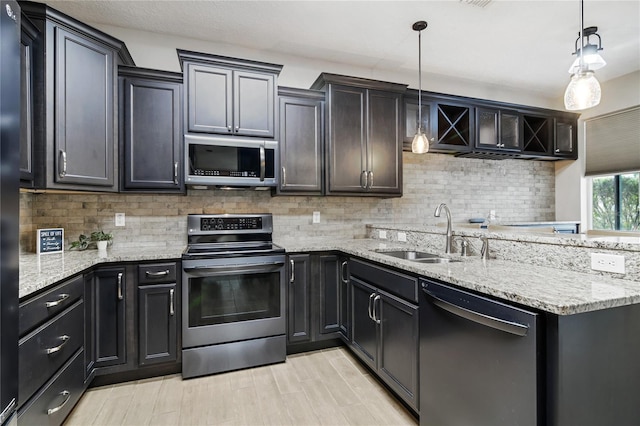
[38,272]
[552,290]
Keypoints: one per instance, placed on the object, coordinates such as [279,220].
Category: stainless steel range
[233,294]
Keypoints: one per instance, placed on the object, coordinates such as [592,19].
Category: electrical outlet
[402,236]
[316,217]
[607,263]
[492,215]
[119,219]
[382,235]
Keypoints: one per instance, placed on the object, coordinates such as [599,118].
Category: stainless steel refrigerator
[9,206]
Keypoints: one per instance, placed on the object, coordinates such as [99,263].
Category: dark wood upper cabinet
[75,94]
[301,141]
[363,151]
[151,130]
[29,33]
[480,128]
[229,96]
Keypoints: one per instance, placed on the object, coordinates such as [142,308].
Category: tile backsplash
[517,190]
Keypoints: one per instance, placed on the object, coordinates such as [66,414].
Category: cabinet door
[84,111]
[254,104]
[158,323]
[565,138]
[329,295]
[152,114]
[26,113]
[301,139]
[509,130]
[384,146]
[89,327]
[109,316]
[345,300]
[347,166]
[299,299]
[497,129]
[364,331]
[411,118]
[399,343]
[209,99]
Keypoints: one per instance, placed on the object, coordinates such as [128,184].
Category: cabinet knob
[237,129]
[229,128]
[557,150]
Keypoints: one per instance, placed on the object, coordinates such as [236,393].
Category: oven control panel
[230,223]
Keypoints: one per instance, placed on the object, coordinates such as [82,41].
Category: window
[615,202]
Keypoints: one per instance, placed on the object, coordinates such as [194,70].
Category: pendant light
[583,90]
[420,144]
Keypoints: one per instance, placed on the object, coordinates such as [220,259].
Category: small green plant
[85,242]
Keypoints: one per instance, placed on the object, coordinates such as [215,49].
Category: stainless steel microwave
[230,162]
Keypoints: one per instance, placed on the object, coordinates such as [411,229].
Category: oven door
[232,299]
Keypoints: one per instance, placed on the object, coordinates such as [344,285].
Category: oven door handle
[201,271]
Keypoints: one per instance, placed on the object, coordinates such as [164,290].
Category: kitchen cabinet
[566,138]
[74,110]
[158,299]
[313,300]
[363,154]
[229,96]
[384,330]
[151,131]
[51,348]
[109,319]
[29,33]
[301,134]
[497,129]
[480,128]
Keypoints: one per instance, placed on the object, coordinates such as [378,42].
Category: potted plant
[98,239]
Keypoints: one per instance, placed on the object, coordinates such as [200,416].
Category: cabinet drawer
[56,400]
[45,306]
[399,284]
[157,273]
[43,352]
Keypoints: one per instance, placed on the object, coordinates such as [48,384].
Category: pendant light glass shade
[592,60]
[582,92]
[420,143]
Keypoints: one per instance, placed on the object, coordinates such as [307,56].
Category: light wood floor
[326,387]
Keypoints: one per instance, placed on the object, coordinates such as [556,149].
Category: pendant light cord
[581,69]
[419,81]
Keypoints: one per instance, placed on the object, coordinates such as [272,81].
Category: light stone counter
[558,291]
[38,272]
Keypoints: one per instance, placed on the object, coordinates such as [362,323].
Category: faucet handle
[464,246]
[484,251]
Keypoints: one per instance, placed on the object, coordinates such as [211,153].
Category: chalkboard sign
[50,241]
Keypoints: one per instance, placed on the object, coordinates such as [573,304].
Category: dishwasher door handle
[478,317]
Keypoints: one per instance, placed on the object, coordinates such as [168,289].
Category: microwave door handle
[263,163]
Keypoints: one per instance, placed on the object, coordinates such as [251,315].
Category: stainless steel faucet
[447,247]
[484,252]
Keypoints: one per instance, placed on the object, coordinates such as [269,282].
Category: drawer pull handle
[157,274]
[293,271]
[171,303]
[58,348]
[55,303]
[67,396]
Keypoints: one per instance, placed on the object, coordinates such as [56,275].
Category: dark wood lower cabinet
[385,330]
[109,321]
[157,323]
[313,299]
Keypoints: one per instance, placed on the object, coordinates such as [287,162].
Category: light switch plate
[120,219]
[607,263]
[316,217]
[382,235]
[402,236]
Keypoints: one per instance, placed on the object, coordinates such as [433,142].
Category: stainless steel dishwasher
[479,360]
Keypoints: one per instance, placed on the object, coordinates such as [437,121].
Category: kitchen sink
[417,256]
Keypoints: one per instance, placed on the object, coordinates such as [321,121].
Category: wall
[518,190]
[572,194]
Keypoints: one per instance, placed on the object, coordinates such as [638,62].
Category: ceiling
[525,44]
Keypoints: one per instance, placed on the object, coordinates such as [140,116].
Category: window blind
[613,143]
